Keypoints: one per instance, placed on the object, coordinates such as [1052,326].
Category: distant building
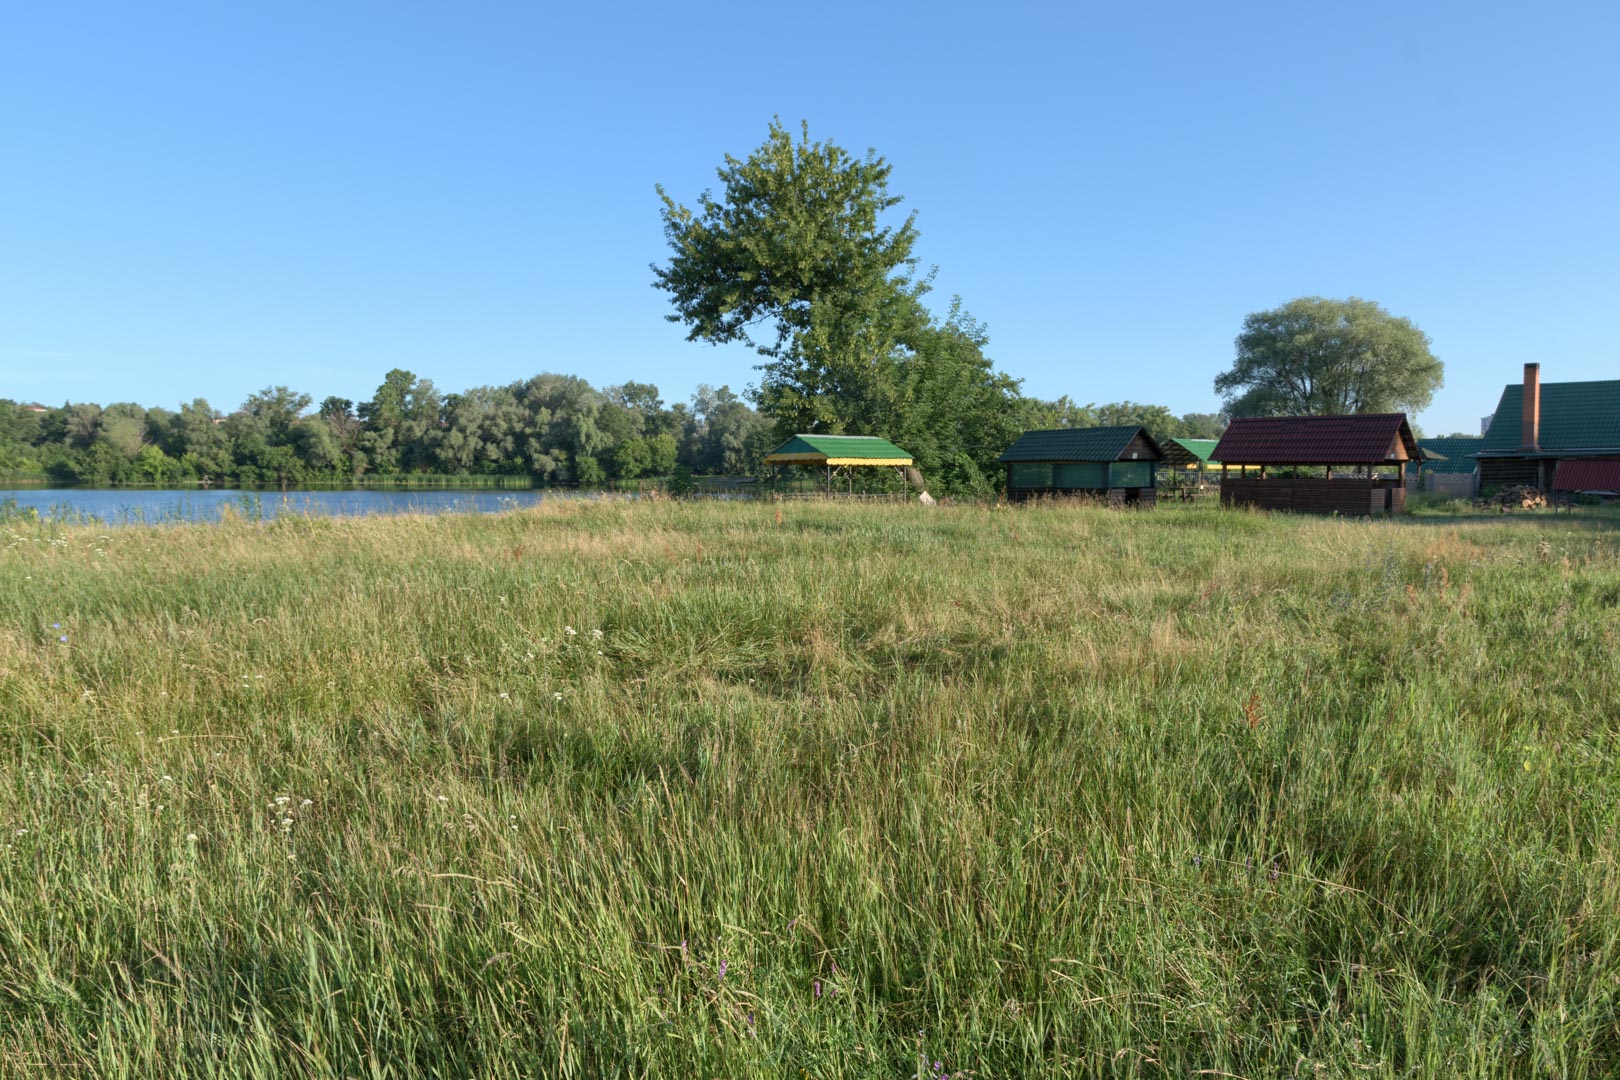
[1559,424]
[1485,424]
[1448,467]
[36,407]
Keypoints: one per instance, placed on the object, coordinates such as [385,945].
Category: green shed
[1115,461]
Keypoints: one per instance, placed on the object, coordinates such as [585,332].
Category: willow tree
[1319,356]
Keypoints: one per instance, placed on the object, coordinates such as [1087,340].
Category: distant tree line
[555,429]
[552,429]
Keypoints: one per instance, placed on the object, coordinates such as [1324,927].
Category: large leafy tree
[795,259]
[1320,356]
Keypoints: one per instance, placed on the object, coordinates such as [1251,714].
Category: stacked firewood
[1518,497]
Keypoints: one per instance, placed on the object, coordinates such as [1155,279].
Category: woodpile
[1518,497]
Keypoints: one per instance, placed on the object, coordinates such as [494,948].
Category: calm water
[127,505]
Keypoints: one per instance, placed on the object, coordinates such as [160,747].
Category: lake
[122,506]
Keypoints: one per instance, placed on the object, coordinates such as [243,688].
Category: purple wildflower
[722,969]
[818,987]
[63,639]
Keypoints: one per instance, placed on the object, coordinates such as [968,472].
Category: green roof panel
[1454,454]
[1574,416]
[841,446]
[1198,448]
[1072,444]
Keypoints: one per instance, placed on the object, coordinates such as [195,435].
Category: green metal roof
[841,446]
[1198,448]
[1075,444]
[1574,416]
[1451,455]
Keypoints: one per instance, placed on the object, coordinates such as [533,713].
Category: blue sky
[202,200]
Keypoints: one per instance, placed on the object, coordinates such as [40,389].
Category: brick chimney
[1531,433]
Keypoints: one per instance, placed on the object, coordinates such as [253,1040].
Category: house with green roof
[1118,462]
[1540,426]
[1448,466]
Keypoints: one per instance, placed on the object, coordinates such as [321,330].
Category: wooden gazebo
[1189,463]
[1342,458]
[837,457]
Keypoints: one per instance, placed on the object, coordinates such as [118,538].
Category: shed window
[1031,474]
[1074,475]
[1132,474]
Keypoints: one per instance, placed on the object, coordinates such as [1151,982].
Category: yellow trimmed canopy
[837,450]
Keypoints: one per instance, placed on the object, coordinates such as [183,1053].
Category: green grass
[1055,792]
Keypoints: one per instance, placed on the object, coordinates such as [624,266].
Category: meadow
[666,789]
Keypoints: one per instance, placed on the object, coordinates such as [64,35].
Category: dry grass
[1055,792]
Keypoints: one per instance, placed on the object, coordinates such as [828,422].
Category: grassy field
[675,790]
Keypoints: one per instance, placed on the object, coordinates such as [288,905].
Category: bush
[680,483]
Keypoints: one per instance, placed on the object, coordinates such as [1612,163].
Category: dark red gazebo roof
[1358,439]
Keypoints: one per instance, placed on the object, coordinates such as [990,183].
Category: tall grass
[662,789]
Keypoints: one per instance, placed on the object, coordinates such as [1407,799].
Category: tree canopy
[1315,356]
[795,259]
[795,243]
[1159,421]
[552,428]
